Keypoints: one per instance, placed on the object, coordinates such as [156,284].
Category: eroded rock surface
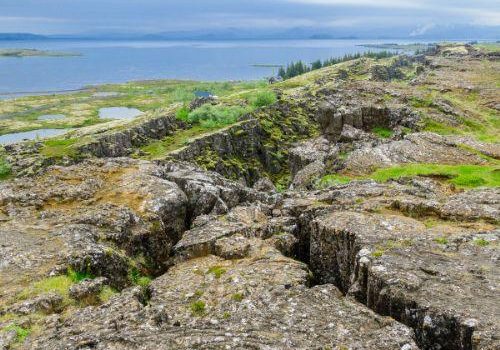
[228,242]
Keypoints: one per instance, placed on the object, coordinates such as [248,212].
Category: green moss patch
[462,176]
[466,176]
[332,180]
[381,132]
[21,332]
[58,148]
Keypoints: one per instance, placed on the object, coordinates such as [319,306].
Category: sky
[342,17]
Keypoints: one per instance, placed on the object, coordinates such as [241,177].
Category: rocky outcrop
[183,253]
[122,142]
[363,253]
[259,301]
[332,118]
[414,148]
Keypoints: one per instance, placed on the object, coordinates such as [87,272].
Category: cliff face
[341,217]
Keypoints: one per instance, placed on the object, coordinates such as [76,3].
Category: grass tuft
[198,308]
[332,180]
[481,242]
[218,271]
[381,132]
[5,168]
[21,333]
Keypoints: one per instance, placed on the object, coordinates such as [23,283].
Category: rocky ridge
[204,249]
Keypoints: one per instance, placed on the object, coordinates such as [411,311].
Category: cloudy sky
[407,17]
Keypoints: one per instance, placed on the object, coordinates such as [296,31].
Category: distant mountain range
[459,32]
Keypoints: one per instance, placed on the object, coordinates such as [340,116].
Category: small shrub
[263,98]
[226,315]
[210,117]
[378,253]
[218,271]
[198,308]
[182,114]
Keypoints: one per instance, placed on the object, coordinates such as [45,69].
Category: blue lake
[121,61]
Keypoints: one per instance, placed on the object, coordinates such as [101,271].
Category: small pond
[119,113]
[200,93]
[52,117]
[30,135]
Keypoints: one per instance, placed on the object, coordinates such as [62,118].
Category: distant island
[35,53]
[393,46]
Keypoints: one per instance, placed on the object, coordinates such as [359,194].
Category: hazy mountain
[428,32]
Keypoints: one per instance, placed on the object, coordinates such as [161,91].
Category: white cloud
[481,17]
[422,29]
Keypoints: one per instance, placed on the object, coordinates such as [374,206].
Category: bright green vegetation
[197,308]
[332,180]
[441,240]
[78,276]
[467,176]
[34,53]
[381,132]
[21,333]
[263,98]
[218,271]
[5,168]
[481,242]
[58,148]
[237,297]
[139,279]
[297,68]
[56,284]
[107,293]
[211,117]
[463,176]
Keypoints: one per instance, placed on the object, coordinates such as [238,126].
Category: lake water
[30,135]
[119,113]
[121,61]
